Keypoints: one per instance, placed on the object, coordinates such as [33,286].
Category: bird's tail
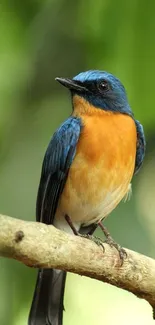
[47,305]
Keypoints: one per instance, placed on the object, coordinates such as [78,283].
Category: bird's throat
[82,107]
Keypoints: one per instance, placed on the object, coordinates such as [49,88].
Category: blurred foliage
[40,40]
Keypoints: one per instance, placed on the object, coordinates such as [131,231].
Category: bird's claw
[121,251]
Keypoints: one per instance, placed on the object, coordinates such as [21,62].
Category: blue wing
[141,145]
[57,161]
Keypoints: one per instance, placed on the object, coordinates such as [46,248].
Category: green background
[40,40]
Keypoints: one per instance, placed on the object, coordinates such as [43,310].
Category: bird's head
[101,89]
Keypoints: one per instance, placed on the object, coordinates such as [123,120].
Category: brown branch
[38,245]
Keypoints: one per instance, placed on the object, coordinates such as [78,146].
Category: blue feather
[57,161]
[141,146]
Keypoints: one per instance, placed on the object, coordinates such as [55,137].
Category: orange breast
[102,168]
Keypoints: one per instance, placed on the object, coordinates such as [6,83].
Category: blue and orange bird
[87,170]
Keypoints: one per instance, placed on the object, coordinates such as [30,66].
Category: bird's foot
[122,253]
[95,239]
[110,241]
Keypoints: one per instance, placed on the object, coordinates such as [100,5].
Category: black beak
[72,84]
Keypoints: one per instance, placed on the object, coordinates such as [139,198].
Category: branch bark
[38,245]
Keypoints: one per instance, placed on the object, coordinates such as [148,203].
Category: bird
[87,170]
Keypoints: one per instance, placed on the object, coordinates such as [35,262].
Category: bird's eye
[103,86]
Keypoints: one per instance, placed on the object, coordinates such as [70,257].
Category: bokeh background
[40,40]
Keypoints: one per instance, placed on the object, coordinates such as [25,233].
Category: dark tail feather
[47,305]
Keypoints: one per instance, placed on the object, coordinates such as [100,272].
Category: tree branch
[38,245]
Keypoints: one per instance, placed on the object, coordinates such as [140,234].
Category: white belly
[87,214]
